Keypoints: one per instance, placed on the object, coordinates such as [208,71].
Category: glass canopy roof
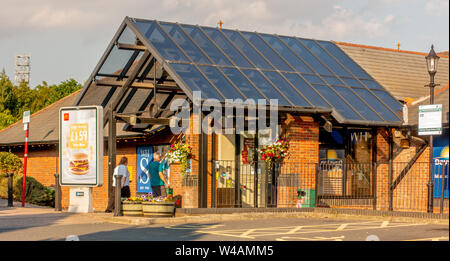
[300,73]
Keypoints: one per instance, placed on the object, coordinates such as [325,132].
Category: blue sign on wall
[440,165]
[144,157]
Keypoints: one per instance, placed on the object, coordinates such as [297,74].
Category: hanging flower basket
[179,153]
[275,152]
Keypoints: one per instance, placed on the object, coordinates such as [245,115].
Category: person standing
[157,179]
[120,170]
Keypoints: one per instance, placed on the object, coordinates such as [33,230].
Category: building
[340,114]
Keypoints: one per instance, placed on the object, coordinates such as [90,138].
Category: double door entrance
[242,178]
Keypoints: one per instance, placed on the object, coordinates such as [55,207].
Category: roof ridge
[418,100]
[43,109]
[387,49]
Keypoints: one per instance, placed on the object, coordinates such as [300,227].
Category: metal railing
[332,184]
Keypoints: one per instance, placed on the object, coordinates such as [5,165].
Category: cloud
[53,17]
[437,7]
[342,23]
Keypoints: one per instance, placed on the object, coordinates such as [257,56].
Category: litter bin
[306,198]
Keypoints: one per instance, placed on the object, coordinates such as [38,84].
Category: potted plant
[275,152]
[132,206]
[158,206]
[179,153]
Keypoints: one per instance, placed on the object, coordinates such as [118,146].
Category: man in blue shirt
[157,179]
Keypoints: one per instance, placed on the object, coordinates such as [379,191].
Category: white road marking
[384,224]
[341,227]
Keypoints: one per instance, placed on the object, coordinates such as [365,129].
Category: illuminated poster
[81,146]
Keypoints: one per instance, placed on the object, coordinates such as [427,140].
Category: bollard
[10,190]
[57,193]
[117,196]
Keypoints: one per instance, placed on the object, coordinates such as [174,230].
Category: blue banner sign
[440,166]
[144,157]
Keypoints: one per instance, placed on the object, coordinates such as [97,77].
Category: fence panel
[346,185]
[331,185]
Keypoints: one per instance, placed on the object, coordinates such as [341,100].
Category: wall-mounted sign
[430,119]
[144,157]
[81,146]
[441,166]
[247,150]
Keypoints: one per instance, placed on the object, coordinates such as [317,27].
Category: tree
[9,162]
[14,100]
[6,119]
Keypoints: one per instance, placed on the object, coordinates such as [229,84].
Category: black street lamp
[432,62]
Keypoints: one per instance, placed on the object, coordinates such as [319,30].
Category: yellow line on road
[341,227]
[259,232]
[430,239]
[384,224]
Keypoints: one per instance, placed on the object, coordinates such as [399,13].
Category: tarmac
[189,217]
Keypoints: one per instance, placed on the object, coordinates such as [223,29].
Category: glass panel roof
[306,90]
[243,84]
[161,41]
[344,59]
[286,88]
[337,102]
[267,52]
[218,79]
[264,86]
[229,64]
[247,49]
[284,51]
[196,81]
[185,43]
[208,47]
[220,40]
[357,103]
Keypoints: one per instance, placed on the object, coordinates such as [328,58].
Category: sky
[67,38]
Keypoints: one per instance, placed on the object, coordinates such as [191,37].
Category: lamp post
[432,61]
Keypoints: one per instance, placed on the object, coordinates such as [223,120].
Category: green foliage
[9,162]
[35,192]
[6,119]
[14,100]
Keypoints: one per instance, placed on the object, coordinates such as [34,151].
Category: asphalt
[38,223]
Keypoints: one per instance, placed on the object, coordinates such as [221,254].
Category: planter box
[158,209]
[133,209]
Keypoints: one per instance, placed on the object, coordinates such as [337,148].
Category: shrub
[35,192]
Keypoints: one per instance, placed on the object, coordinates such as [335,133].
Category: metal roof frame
[136,80]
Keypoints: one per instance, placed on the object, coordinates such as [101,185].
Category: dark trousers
[125,192]
[159,191]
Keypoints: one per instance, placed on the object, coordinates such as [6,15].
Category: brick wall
[299,167]
[43,163]
[411,193]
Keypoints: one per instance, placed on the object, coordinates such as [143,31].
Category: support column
[391,170]
[111,156]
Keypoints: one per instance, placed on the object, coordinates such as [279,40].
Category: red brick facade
[303,135]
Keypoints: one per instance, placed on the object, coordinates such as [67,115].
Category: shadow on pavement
[23,221]
[182,232]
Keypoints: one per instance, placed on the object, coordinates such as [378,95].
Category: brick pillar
[299,168]
[382,169]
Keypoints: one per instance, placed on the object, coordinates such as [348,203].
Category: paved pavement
[46,224]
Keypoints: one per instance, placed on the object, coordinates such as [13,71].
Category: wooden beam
[141,85]
[133,47]
[132,119]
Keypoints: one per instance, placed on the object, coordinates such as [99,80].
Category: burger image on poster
[79,164]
